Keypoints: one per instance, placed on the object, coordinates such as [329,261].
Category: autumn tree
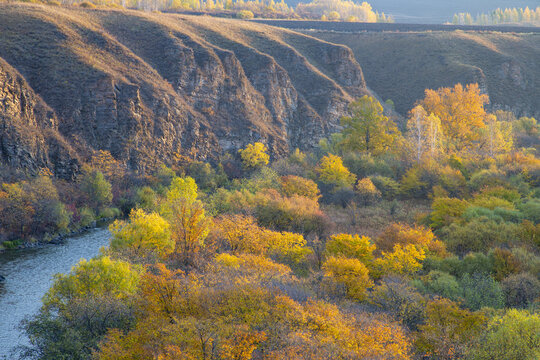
[424,133]
[513,336]
[368,129]
[32,208]
[98,276]
[461,112]
[497,136]
[351,273]
[142,235]
[404,234]
[402,260]
[296,185]
[79,309]
[241,234]
[366,191]
[331,171]
[449,331]
[351,246]
[446,211]
[254,155]
[186,216]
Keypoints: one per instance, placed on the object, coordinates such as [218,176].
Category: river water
[29,274]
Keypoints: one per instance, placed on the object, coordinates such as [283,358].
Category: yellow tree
[497,136]
[331,171]
[241,234]
[404,234]
[366,191]
[368,129]
[99,276]
[448,330]
[351,246]
[186,215]
[351,273]
[142,234]
[295,185]
[403,260]
[462,114]
[254,155]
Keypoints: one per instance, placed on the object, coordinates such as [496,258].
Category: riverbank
[56,239]
[28,275]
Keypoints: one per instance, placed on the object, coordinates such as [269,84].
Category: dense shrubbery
[276,262]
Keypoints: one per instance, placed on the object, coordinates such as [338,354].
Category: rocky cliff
[146,86]
[29,138]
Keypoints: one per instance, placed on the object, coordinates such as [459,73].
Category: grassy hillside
[399,66]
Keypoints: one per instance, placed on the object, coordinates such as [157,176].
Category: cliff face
[149,86]
[28,129]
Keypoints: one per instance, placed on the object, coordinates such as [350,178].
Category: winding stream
[29,275]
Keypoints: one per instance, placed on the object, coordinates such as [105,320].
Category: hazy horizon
[433,11]
[440,11]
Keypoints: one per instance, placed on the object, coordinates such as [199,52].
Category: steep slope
[29,139]
[400,66]
[146,86]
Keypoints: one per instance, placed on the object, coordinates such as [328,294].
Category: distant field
[355,27]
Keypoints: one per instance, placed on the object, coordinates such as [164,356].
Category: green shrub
[486,178]
[388,187]
[480,290]
[531,210]
[366,165]
[87,216]
[395,296]
[521,290]
[514,336]
[478,235]
[207,177]
[109,213]
[446,211]
[297,213]
[472,263]
[97,189]
[443,284]
[13,244]
[527,260]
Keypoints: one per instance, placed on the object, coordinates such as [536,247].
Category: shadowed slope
[146,86]
[400,66]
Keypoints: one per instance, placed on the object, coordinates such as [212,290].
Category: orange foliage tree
[461,112]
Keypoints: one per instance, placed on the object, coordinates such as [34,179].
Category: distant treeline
[500,16]
[334,10]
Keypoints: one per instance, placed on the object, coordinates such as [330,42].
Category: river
[29,274]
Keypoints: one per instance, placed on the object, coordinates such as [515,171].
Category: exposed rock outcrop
[148,86]
[28,129]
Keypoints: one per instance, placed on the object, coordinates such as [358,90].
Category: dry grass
[373,219]
[400,66]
